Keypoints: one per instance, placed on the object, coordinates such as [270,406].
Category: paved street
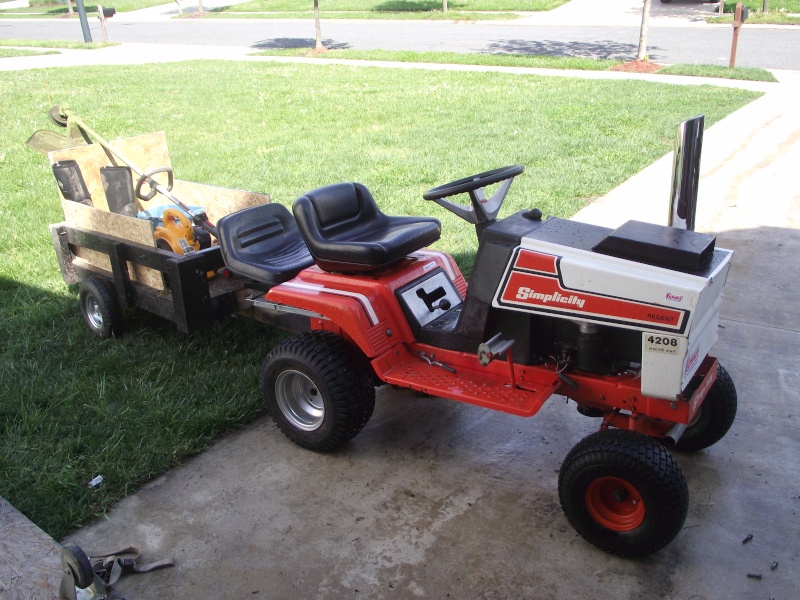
[671,39]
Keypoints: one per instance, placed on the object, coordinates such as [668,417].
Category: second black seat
[346,232]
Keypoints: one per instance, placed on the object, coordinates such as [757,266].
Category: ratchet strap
[111,566]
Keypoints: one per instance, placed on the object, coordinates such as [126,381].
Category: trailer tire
[715,418]
[99,307]
[319,390]
[74,559]
[623,492]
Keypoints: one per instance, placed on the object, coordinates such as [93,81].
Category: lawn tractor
[619,321]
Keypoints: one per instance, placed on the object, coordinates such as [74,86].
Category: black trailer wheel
[623,492]
[715,417]
[319,390]
[100,308]
[74,558]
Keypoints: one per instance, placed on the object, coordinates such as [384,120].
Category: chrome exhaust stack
[686,173]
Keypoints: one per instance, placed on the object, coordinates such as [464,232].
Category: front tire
[318,389]
[715,417]
[99,307]
[623,492]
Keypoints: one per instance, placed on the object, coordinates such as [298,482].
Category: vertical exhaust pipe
[686,173]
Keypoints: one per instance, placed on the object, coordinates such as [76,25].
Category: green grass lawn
[11,52]
[520,60]
[330,8]
[57,44]
[742,73]
[55,9]
[778,12]
[72,407]
[388,9]
[400,5]
[792,6]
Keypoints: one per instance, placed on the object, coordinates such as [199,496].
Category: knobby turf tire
[644,465]
[100,308]
[716,416]
[341,376]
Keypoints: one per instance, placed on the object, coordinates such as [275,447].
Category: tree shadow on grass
[292,43]
[605,49]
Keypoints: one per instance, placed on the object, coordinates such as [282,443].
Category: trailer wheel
[100,308]
[715,417]
[623,492]
[74,559]
[318,389]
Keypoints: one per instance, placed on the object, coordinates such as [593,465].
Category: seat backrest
[251,231]
[342,207]
[263,242]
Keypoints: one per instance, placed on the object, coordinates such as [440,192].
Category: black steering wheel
[148,177]
[481,210]
[474,182]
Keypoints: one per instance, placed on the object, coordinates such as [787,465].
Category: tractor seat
[263,243]
[347,233]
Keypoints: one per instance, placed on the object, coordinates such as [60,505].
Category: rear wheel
[715,417]
[319,390]
[623,492]
[99,307]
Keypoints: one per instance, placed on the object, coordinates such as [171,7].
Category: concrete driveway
[436,499]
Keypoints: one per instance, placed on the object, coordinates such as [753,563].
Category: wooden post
[102,18]
[737,24]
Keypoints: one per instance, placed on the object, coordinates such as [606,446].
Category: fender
[363,309]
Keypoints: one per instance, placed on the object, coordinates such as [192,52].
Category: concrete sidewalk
[437,499]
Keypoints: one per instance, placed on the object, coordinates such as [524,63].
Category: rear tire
[623,492]
[99,307]
[318,389]
[715,418]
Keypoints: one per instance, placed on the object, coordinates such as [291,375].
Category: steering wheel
[482,209]
[148,177]
[472,183]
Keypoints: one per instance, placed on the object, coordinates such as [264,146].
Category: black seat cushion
[263,243]
[347,233]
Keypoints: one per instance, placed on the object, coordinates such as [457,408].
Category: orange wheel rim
[615,504]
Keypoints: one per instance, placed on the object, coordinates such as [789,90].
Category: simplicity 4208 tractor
[620,321]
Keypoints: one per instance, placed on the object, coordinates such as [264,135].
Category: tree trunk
[444,6]
[199,7]
[317,28]
[766,6]
[642,53]
[69,8]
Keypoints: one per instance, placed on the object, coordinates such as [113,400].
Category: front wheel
[623,492]
[715,417]
[318,389]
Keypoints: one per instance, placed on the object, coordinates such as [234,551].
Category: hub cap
[615,504]
[93,312]
[299,400]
